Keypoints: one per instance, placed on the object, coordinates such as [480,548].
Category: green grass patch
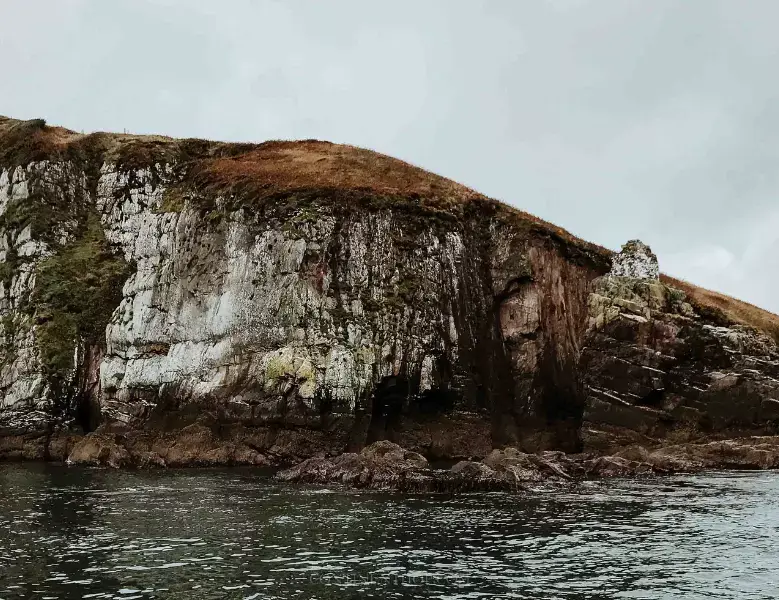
[76,292]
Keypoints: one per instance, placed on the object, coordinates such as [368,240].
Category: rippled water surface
[73,533]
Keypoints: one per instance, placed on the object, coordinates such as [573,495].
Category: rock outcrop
[387,466]
[382,465]
[659,369]
[635,261]
[173,302]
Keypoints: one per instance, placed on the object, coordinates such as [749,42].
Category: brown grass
[726,309]
[288,166]
[275,168]
[280,167]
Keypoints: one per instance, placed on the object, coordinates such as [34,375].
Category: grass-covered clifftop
[270,172]
[296,173]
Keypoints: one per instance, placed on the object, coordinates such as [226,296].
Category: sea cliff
[186,302]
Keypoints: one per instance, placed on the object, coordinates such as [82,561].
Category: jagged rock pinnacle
[636,260]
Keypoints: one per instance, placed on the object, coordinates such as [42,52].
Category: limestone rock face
[176,302]
[636,260]
[169,299]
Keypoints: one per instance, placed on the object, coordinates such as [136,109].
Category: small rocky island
[348,317]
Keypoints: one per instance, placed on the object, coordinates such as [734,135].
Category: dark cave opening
[87,413]
[653,399]
[563,400]
[387,407]
[435,401]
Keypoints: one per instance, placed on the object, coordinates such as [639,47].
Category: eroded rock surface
[290,298]
[382,465]
[175,302]
[387,466]
[658,369]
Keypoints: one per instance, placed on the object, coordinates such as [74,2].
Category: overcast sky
[615,119]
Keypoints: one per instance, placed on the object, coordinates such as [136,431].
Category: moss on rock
[76,291]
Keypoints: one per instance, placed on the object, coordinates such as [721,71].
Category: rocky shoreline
[173,303]
[386,466]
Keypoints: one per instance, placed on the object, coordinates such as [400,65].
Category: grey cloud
[612,118]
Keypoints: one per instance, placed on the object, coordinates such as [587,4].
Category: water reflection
[73,533]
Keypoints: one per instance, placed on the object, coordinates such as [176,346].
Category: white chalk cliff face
[186,302]
[279,332]
[251,315]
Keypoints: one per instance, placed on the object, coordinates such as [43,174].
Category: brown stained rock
[469,476]
[31,446]
[519,314]
[472,470]
[758,452]
[390,452]
[382,465]
[100,451]
[193,446]
[296,444]
[60,446]
[515,465]
[458,435]
[521,467]
[36,446]
[615,466]
[743,453]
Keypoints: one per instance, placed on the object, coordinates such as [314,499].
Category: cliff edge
[181,302]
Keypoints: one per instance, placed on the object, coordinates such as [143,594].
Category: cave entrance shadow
[435,402]
[653,399]
[387,406]
[87,413]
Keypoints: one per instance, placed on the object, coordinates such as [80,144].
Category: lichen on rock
[653,364]
[196,302]
[635,260]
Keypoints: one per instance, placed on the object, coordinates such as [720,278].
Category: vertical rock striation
[177,302]
[265,303]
